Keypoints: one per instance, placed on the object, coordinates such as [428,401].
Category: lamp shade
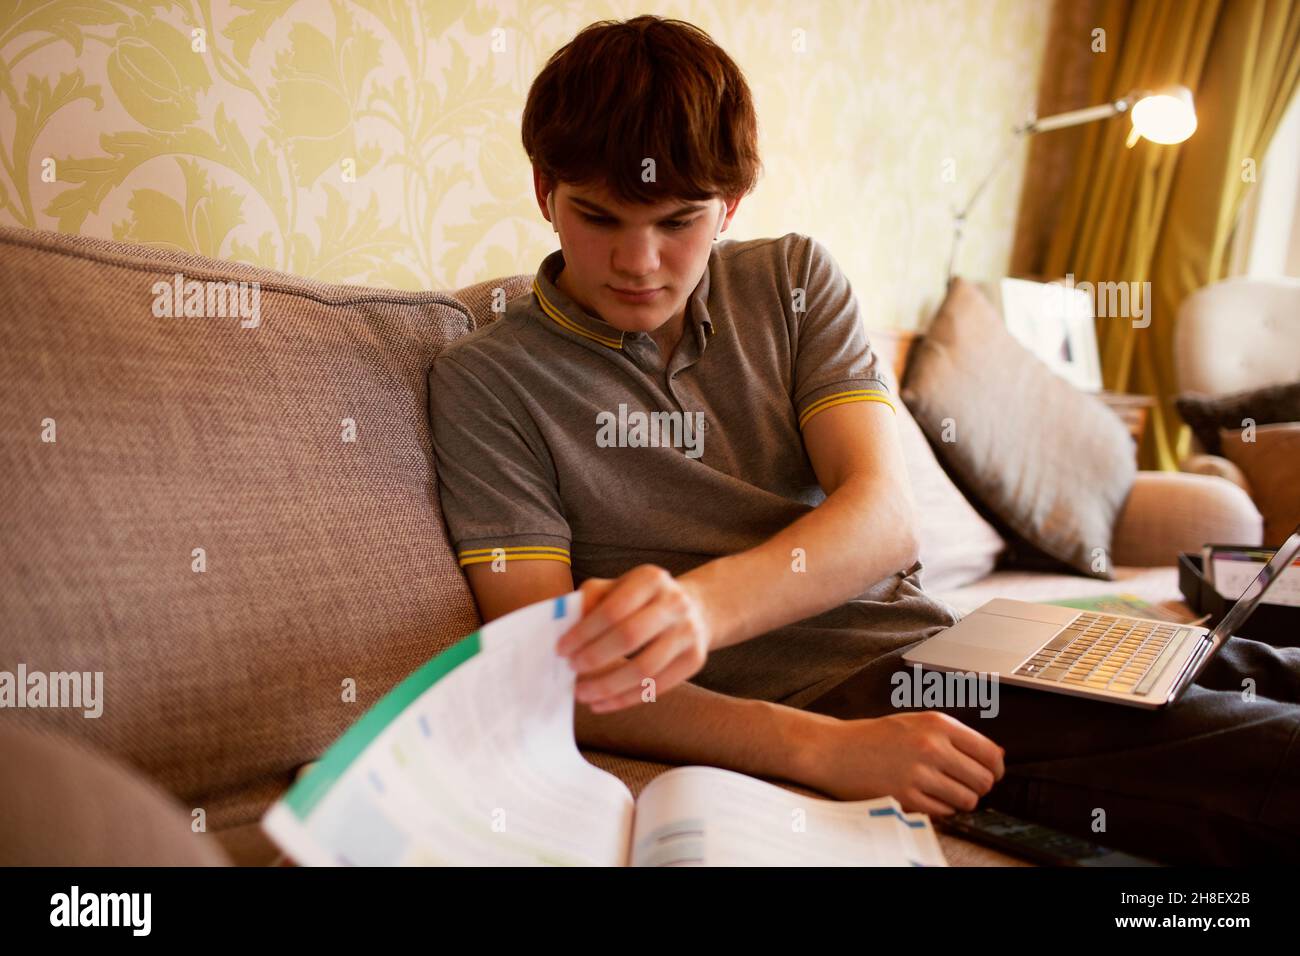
[1164,116]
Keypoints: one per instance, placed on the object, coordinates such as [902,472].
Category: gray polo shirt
[560,437]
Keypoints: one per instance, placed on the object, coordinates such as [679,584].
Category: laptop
[1109,657]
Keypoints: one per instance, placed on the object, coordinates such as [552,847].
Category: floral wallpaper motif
[377,141]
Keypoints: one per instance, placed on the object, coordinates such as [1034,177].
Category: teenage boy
[700,436]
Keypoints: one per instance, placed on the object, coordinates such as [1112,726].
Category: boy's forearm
[692,725]
[860,534]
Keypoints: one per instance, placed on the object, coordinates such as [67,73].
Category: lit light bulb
[1164,116]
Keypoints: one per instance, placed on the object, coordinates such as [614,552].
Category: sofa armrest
[1215,465]
[1170,511]
[64,804]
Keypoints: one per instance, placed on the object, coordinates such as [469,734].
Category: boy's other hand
[928,761]
[655,624]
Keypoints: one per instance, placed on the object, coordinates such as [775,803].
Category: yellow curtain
[1165,214]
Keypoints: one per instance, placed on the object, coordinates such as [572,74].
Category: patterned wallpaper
[377,141]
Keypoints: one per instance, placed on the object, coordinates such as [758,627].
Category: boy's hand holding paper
[656,625]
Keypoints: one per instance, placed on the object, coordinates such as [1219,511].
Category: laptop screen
[1250,597]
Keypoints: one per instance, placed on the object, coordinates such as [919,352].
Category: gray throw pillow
[1051,464]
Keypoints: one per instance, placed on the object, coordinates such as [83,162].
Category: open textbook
[472,760]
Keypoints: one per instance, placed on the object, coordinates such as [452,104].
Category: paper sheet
[483,770]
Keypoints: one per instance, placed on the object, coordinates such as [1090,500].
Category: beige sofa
[234,519]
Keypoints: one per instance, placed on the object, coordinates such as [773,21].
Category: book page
[470,761]
[1129,605]
[705,816]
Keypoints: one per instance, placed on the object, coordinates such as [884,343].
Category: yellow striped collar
[568,315]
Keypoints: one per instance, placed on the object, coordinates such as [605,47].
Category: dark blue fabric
[1212,779]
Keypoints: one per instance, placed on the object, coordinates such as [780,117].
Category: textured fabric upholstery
[325,564]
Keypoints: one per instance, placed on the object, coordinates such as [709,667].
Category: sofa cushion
[1052,464]
[1271,464]
[1207,414]
[957,545]
[190,518]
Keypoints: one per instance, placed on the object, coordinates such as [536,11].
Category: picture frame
[1057,324]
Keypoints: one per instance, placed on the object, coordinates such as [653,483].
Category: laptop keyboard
[1102,652]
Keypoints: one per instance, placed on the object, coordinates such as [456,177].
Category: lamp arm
[1028,128]
[959,217]
[1086,115]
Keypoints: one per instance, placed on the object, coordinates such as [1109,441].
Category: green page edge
[304,795]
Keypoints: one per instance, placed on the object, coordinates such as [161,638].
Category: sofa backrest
[486,300]
[232,518]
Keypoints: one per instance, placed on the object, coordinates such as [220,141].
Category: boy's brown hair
[623,91]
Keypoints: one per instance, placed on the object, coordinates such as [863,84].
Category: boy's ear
[543,187]
[729,208]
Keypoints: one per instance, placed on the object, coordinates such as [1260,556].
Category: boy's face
[609,246]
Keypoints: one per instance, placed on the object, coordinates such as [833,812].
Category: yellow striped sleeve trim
[536,552]
[560,319]
[844,398]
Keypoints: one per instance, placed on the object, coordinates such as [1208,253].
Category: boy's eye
[673,224]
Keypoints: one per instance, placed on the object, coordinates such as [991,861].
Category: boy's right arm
[928,761]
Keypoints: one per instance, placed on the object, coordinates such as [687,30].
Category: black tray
[1271,623]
